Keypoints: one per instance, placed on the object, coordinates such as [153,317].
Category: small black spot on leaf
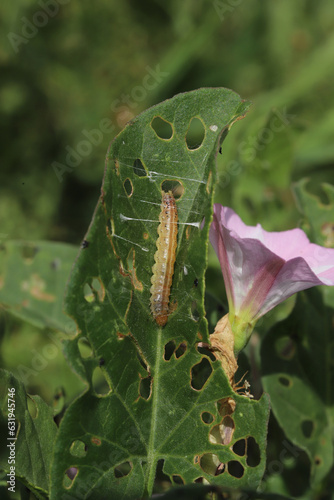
[85,244]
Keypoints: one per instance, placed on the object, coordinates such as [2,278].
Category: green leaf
[33,276]
[298,373]
[319,221]
[35,431]
[201,492]
[319,217]
[149,410]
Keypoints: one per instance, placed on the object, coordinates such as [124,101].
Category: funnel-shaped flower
[261,269]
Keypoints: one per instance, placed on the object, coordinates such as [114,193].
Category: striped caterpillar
[163,268]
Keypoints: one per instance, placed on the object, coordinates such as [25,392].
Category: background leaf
[206,492]
[298,373]
[318,220]
[33,276]
[157,382]
[35,432]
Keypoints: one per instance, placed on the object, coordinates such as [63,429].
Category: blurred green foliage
[84,63]
[89,63]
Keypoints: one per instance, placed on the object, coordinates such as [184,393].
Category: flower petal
[261,269]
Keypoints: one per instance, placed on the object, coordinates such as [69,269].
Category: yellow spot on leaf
[327,230]
[36,286]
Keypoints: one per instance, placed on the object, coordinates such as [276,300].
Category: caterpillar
[163,268]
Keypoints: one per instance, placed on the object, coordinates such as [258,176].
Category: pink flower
[261,269]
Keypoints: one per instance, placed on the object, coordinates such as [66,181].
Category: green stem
[241,331]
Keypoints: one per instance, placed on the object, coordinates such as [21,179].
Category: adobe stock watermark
[75,155]
[223,7]
[30,27]
[249,149]
[40,358]
[122,105]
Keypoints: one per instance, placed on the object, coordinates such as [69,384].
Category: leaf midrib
[151,455]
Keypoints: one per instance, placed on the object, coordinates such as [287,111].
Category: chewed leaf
[148,408]
[34,430]
[33,276]
[319,221]
[319,215]
[298,374]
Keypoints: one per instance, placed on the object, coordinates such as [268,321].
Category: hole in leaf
[58,402]
[175,186]
[199,480]
[99,382]
[88,293]
[207,417]
[69,476]
[161,477]
[200,374]
[78,449]
[141,361]
[162,128]
[98,288]
[211,464]
[227,406]
[239,448]
[110,227]
[235,469]
[29,252]
[177,479]
[181,350]
[145,387]
[169,350]
[132,268]
[32,407]
[85,348]
[317,461]
[285,381]
[222,138]
[285,347]
[139,169]
[206,352]
[253,452]
[307,428]
[194,311]
[123,469]
[208,187]
[222,433]
[195,134]
[128,187]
